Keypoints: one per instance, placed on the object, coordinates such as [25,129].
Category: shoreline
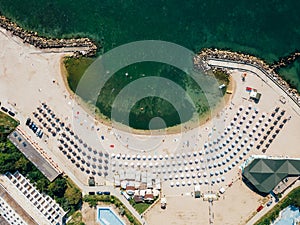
[196,121]
[89,48]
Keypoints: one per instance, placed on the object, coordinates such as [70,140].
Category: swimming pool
[288,216]
[107,217]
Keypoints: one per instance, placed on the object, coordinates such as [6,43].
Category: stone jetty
[34,39]
[285,61]
[206,54]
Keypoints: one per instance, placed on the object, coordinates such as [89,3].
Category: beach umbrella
[196,161]
[123,156]
[221,172]
[203,167]
[172,184]
[160,157]
[191,162]
[193,175]
[126,164]
[188,154]
[187,175]
[180,169]
[118,156]
[197,168]
[224,162]
[192,169]
[200,182]
[177,184]
[195,182]
[225,170]
[204,174]
[206,181]
[215,165]
[189,183]
[183,183]
[209,166]
[170,177]
[219,164]
[172,156]
[216,172]
[186,169]
[200,152]
[176,177]
[223,179]
[211,173]
[241,157]
[144,164]
[184,162]
[218,180]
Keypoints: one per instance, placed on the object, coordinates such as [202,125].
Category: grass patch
[141,207]
[7,125]
[293,198]
[76,219]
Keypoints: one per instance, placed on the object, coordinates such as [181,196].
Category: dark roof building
[265,174]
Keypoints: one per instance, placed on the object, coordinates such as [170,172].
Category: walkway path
[266,77]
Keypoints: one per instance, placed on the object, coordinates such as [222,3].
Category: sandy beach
[30,77]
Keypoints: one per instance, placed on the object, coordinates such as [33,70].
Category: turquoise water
[288,215]
[292,74]
[107,217]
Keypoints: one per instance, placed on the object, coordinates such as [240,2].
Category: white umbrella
[177,156]
[138,157]
[200,152]
[144,157]
[123,156]
[149,157]
[138,164]
[195,182]
[221,172]
[184,162]
[196,161]
[144,164]
[218,180]
[150,165]
[193,175]
[177,184]
[205,174]
[166,157]
[170,177]
[225,170]
[213,181]
[200,182]
[118,156]
[195,153]
[187,175]
[189,183]
[182,175]
[112,155]
[223,178]
[126,164]
[180,169]
[211,173]
[192,169]
[186,169]
[172,184]
[206,181]
[160,157]
[133,157]
[172,156]
[191,162]
[176,177]
[183,183]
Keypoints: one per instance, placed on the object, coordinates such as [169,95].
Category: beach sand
[30,76]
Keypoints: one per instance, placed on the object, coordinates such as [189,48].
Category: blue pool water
[107,217]
[288,216]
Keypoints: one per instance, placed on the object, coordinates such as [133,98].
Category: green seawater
[268,29]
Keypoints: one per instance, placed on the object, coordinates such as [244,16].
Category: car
[28,121]
[106,193]
[11,113]
[99,193]
[269,203]
[24,144]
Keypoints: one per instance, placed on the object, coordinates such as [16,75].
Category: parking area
[31,153]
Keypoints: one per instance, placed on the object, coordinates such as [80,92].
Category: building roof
[265,174]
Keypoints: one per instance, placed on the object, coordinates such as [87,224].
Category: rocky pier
[34,39]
